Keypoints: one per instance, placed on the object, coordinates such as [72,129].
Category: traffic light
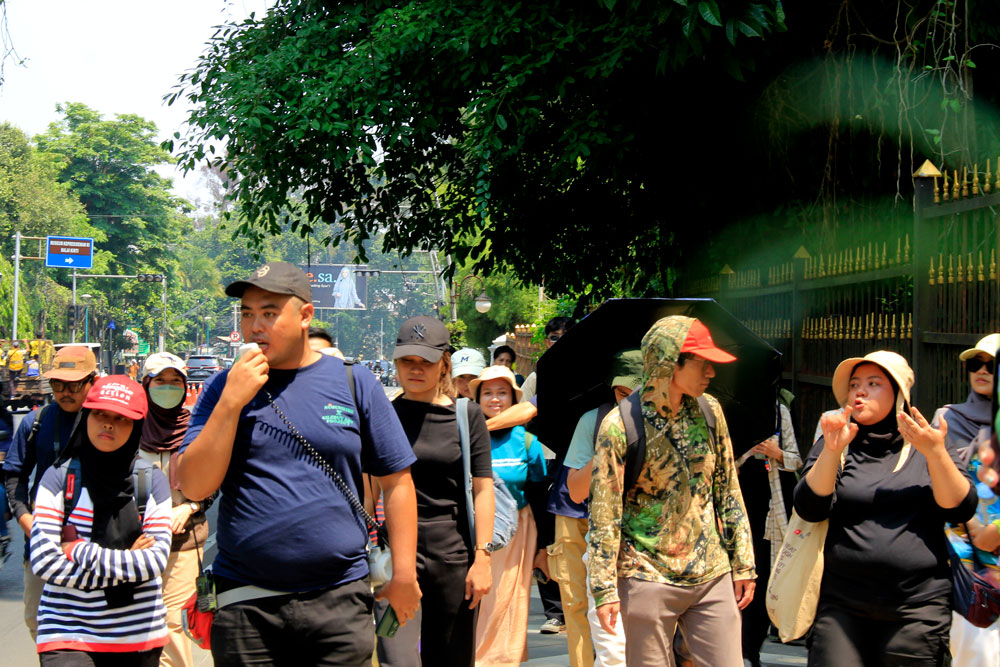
[150,277]
[72,315]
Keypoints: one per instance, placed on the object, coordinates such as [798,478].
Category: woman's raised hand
[919,433]
[838,430]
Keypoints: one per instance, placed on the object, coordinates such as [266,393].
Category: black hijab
[108,479]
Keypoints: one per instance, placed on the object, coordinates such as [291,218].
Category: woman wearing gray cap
[887,481]
[968,425]
[453,566]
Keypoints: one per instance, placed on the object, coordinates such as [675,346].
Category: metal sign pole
[17,278]
[163,331]
[73,333]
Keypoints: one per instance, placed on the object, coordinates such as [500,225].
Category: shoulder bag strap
[635,435]
[462,417]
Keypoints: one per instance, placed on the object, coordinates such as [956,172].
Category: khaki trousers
[32,598]
[568,569]
[178,587]
[707,614]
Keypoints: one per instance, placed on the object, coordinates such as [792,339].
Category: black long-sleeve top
[886,538]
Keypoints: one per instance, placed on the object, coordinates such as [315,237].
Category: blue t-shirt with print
[283,524]
[515,463]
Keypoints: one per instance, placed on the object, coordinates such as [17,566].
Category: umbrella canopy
[572,373]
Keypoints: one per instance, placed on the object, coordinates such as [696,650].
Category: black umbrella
[571,374]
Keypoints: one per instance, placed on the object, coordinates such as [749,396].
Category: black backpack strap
[706,409]
[635,435]
[37,425]
[349,368]
[72,486]
[602,412]
[142,483]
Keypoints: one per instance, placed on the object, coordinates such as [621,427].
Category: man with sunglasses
[37,446]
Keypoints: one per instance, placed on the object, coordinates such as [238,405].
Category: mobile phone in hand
[388,625]
[539,576]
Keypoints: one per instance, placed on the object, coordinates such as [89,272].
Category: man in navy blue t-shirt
[291,572]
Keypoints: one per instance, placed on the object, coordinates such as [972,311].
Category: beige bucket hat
[987,344]
[494,373]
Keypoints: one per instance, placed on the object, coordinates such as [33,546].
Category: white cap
[159,362]
[987,344]
[467,362]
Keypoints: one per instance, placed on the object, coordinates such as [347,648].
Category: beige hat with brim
[496,373]
[893,364]
[986,344]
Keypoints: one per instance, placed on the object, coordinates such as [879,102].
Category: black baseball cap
[424,336]
[277,277]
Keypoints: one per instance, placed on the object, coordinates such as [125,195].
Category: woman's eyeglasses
[71,387]
[554,337]
[974,364]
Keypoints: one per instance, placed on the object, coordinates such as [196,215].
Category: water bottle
[986,498]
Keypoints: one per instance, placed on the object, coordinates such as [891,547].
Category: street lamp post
[208,343]
[483,302]
[86,317]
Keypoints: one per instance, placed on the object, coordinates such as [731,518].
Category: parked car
[200,367]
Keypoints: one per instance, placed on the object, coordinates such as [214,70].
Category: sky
[115,56]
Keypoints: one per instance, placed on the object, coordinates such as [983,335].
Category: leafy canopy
[470,127]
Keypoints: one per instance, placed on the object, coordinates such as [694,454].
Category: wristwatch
[485,546]
[194,506]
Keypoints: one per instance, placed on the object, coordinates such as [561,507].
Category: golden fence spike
[961,273]
[899,250]
[968,269]
[871,326]
[956,187]
[996,183]
[986,180]
[981,276]
[878,332]
[870,263]
[951,268]
[993,264]
[877,261]
[906,250]
[940,269]
[909,327]
[885,262]
[945,190]
[975,179]
[892,330]
[965,182]
[821,272]
[931,280]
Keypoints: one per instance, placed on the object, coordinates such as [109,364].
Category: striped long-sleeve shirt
[73,613]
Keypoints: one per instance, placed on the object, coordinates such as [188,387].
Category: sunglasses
[554,337]
[71,387]
[974,364]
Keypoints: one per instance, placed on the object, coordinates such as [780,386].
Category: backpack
[505,515]
[142,482]
[635,434]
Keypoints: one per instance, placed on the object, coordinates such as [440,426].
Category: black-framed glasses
[974,364]
[554,337]
[71,387]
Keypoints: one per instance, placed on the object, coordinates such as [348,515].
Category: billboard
[338,286]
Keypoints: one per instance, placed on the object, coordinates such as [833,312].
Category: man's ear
[307,311]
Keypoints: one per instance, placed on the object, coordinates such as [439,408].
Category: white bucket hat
[495,373]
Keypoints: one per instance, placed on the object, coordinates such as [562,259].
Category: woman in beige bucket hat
[888,482]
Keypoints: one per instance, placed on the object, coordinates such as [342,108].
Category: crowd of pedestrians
[650,541]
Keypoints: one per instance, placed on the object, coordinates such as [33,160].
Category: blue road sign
[69,253]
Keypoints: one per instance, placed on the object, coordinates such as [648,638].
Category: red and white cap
[119,394]
[699,341]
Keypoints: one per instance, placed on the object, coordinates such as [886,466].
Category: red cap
[699,341]
[119,394]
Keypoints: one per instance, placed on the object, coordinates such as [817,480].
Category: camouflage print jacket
[684,522]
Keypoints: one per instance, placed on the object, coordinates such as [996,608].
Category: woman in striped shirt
[101,564]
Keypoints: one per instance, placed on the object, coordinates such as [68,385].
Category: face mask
[166,396]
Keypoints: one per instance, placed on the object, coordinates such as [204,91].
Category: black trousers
[70,658]
[860,632]
[326,627]
[444,628]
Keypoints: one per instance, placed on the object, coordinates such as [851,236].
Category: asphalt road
[17,649]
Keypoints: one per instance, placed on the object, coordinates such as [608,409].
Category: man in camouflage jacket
[678,547]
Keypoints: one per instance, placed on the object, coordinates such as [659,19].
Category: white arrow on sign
[69,260]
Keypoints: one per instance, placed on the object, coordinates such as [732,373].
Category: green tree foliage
[465,126]
[109,165]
